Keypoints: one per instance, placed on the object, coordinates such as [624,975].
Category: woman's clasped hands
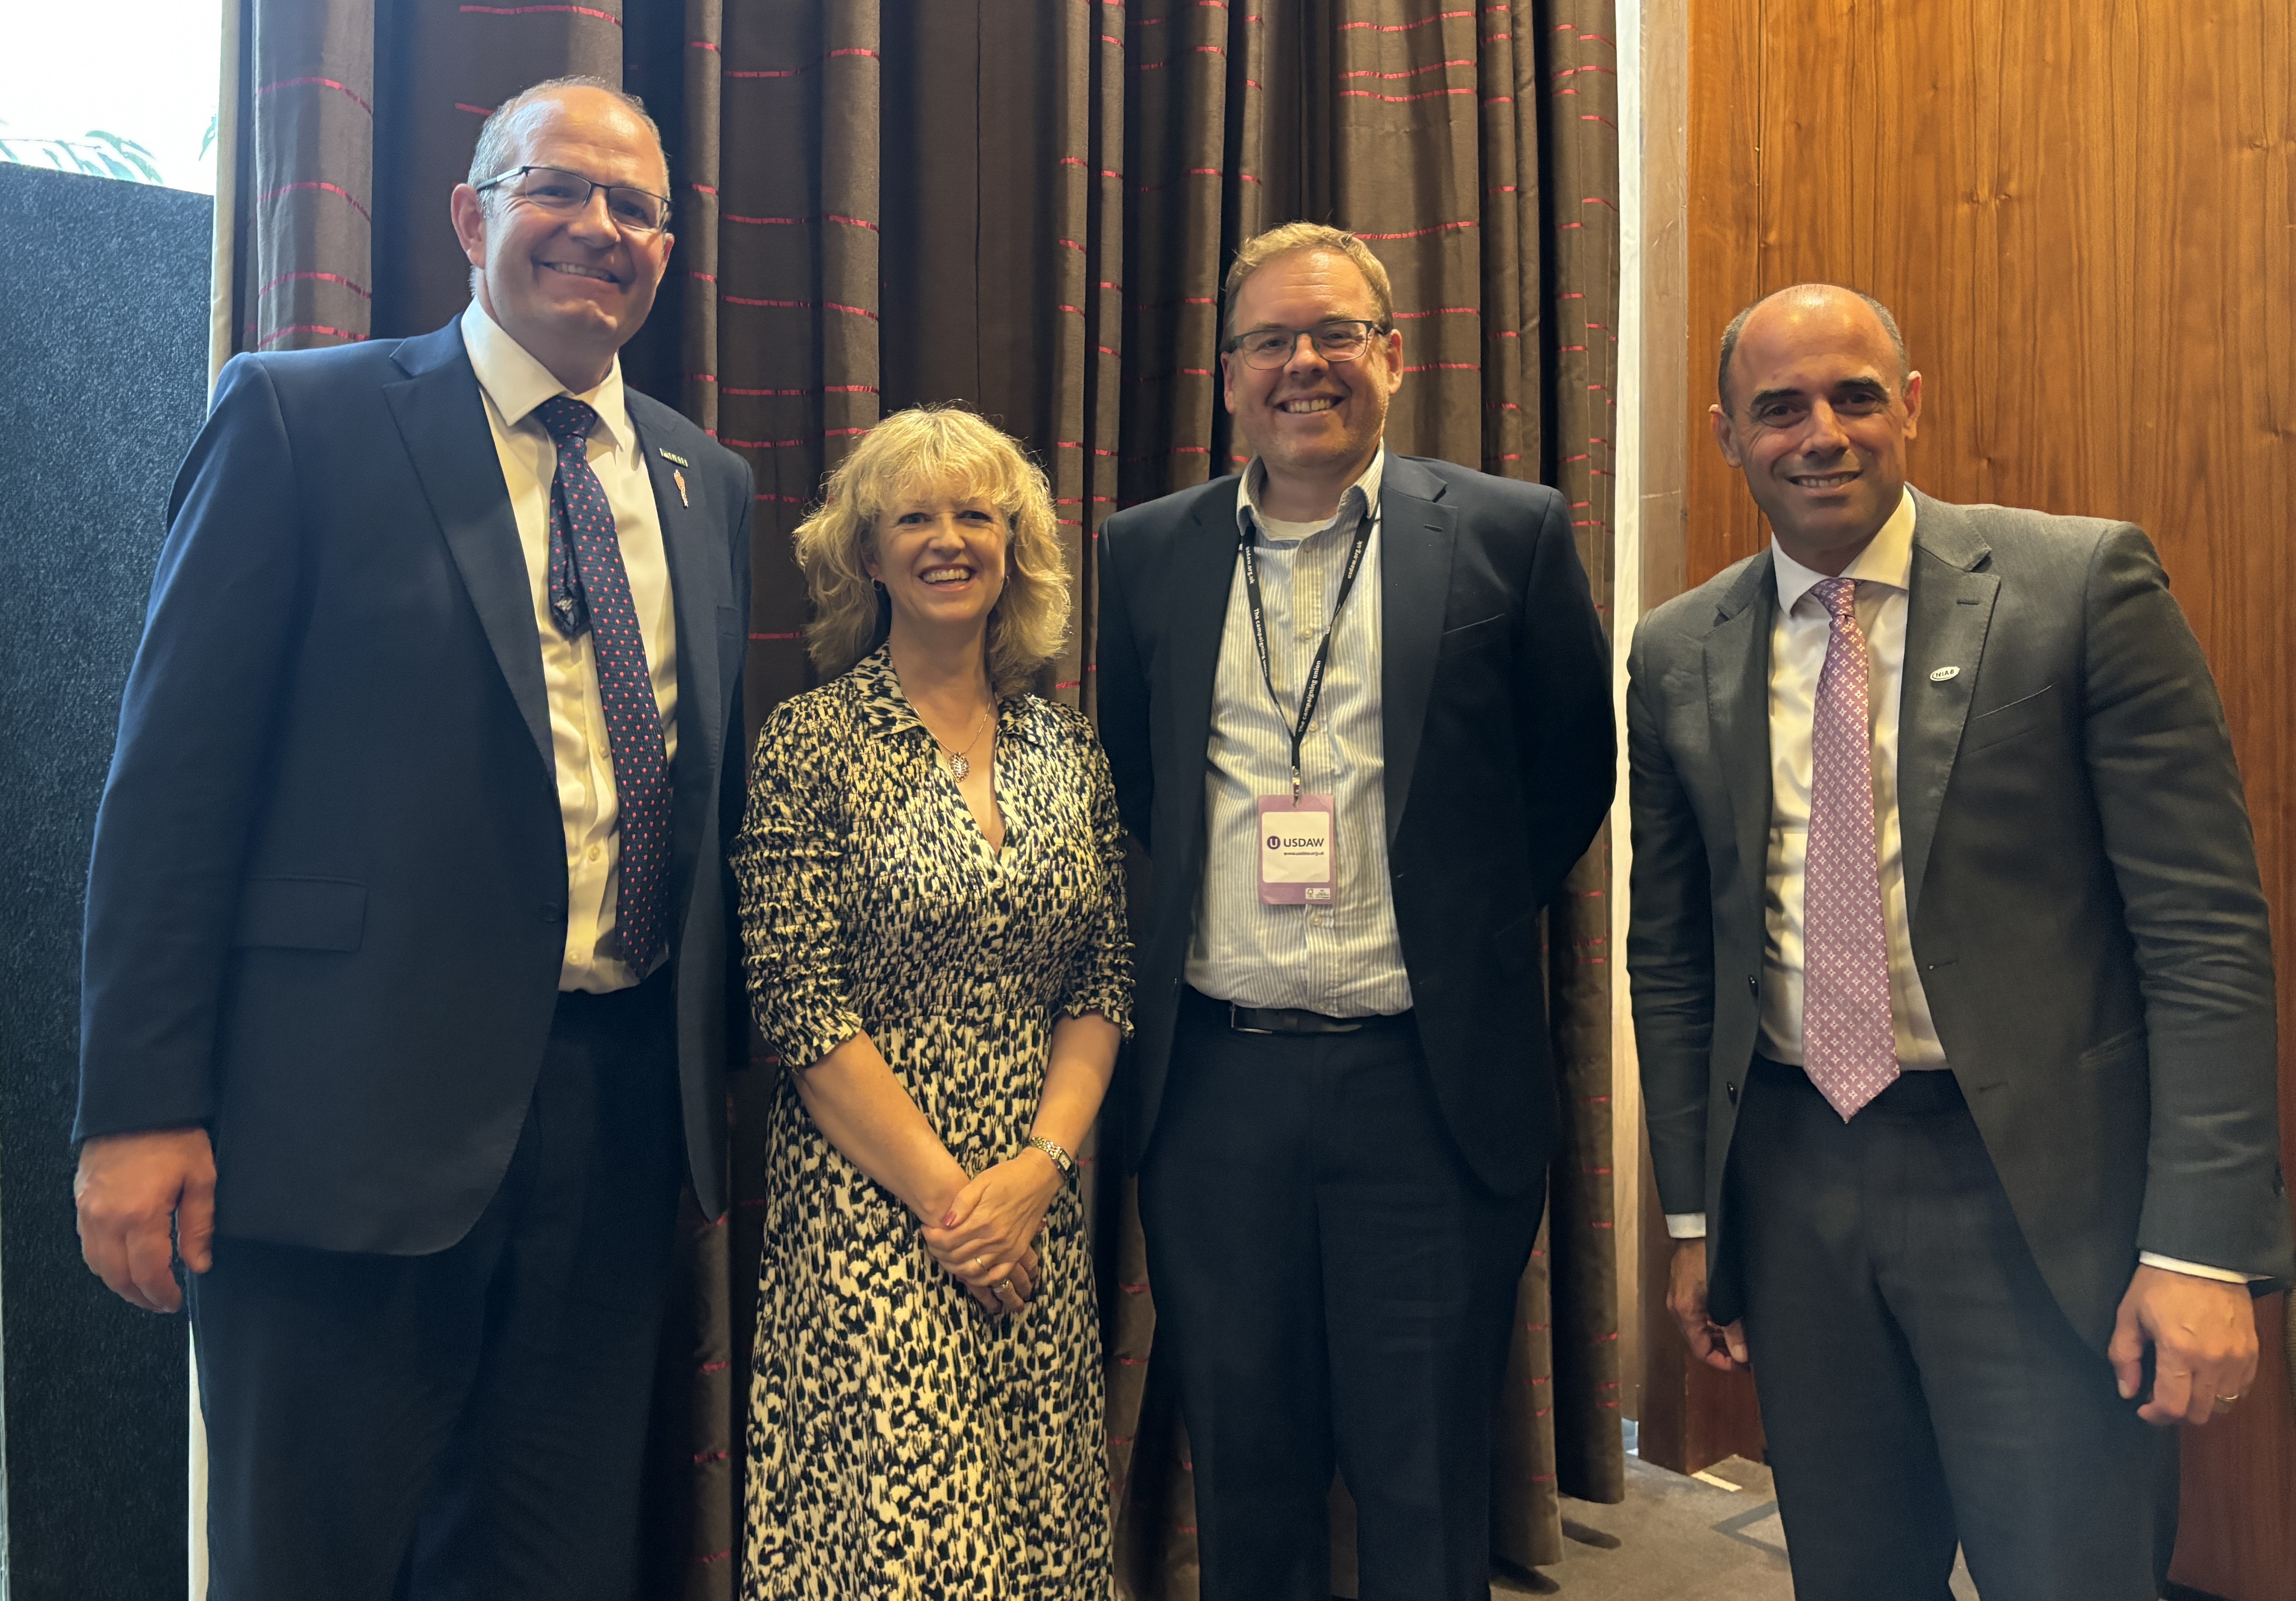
[986,1239]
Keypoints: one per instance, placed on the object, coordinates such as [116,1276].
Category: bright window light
[125,90]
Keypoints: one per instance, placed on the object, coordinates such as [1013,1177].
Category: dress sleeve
[795,946]
[1102,979]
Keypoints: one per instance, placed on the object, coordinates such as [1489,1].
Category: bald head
[1805,301]
[504,135]
[1817,408]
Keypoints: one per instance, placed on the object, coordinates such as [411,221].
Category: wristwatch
[1060,1159]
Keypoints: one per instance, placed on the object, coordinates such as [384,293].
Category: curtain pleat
[1579,94]
[1028,209]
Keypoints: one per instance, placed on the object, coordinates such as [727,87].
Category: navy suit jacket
[1499,756]
[326,910]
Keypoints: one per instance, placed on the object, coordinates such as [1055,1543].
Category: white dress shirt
[1882,570]
[1798,643]
[1345,960]
[514,383]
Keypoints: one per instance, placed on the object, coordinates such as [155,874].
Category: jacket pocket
[1474,635]
[2017,718]
[2128,1041]
[301,914]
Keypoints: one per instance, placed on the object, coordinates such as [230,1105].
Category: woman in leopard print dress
[934,931]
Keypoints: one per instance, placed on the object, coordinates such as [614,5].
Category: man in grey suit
[1953,989]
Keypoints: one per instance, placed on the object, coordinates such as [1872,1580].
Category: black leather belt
[1293,1020]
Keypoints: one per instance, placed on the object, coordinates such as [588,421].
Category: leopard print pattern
[903,1443]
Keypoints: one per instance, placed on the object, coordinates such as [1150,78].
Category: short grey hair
[1738,325]
[498,136]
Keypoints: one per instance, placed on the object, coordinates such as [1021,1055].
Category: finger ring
[2226,1400]
[980,1264]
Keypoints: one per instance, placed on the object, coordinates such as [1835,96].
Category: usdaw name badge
[1298,847]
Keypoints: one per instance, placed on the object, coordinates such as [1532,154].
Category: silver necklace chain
[959,763]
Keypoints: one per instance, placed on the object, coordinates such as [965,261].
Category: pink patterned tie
[1848,1047]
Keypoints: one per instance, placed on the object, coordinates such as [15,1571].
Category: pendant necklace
[959,763]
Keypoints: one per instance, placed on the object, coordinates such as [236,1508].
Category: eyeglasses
[1342,338]
[555,189]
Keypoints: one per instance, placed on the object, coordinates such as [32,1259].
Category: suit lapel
[1417,535]
[696,588]
[1200,573]
[1949,609]
[1738,709]
[442,419]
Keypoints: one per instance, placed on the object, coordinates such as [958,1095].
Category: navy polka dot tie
[590,588]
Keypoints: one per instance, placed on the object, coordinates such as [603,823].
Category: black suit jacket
[2080,879]
[1499,756]
[327,906]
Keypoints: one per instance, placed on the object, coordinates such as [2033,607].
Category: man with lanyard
[1357,709]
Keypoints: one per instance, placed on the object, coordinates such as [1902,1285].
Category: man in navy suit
[408,990]
[1357,709]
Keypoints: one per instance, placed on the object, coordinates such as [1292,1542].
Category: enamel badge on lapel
[1941,674]
[678,472]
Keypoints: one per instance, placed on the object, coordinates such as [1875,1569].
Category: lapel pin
[678,477]
[668,454]
[1937,674]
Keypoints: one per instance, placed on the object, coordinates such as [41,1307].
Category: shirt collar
[1362,496]
[1887,559]
[516,383]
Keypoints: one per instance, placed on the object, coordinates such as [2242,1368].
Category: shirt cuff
[1685,1225]
[2171,1264]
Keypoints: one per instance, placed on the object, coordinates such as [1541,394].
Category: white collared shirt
[514,383]
[1345,960]
[1798,641]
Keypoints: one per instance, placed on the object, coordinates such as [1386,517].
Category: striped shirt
[1346,960]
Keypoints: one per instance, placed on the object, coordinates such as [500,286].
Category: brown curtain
[1028,209]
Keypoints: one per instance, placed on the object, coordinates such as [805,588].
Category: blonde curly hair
[935,450]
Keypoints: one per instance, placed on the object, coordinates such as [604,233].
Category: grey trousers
[1919,1384]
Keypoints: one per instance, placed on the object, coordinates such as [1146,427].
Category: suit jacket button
[553,911]
[1732,1091]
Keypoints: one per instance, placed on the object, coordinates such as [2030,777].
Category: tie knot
[568,420]
[1837,595]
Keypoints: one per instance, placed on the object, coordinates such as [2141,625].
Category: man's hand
[1724,1350]
[129,1187]
[2203,1338]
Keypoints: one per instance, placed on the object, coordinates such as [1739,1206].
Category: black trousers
[1329,1280]
[467,1424]
[1919,1384]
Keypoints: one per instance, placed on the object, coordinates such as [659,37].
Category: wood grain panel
[2084,214]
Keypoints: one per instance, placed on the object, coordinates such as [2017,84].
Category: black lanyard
[1313,690]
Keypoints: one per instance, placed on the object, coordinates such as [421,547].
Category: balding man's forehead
[603,120]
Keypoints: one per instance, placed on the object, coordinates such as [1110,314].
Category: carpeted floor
[1675,1538]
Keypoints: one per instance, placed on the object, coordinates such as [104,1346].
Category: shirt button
[596,852]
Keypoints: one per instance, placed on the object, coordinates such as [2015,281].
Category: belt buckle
[1235,1023]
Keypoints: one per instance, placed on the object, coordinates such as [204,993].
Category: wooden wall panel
[2084,214]
[1690,1416]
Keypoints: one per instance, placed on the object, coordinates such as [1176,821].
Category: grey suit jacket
[2080,878]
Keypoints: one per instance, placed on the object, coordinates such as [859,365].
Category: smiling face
[571,287]
[1818,422]
[940,555]
[1313,424]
